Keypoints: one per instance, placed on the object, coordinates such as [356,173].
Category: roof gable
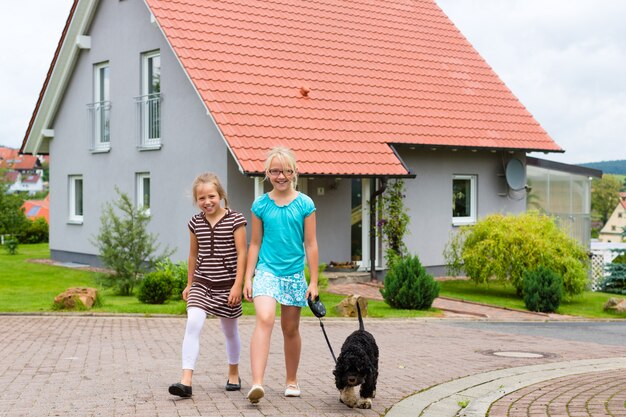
[339,81]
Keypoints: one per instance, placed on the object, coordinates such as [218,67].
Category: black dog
[357,365]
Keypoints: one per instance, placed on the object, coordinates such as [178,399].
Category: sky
[564,59]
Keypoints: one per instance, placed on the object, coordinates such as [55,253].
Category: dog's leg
[348,396]
[364,403]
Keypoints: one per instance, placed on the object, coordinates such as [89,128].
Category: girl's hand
[247,290]
[186,292]
[234,297]
[312,292]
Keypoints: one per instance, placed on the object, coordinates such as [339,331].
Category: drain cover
[518,354]
[515,354]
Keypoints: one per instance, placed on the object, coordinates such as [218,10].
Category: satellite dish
[515,174]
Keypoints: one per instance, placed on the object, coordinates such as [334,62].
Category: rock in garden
[347,306]
[69,298]
[616,305]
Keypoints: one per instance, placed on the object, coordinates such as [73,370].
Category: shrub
[395,223]
[155,287]
[615,280]
[35,231]
[503,247]
[125,245]
[322,280]
[409,286]
[543,290]
[11,245]
[177,272]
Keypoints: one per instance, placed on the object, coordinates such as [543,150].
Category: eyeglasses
[274,172]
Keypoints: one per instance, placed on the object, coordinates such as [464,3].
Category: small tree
[503,247]
[125,245]
[395,223]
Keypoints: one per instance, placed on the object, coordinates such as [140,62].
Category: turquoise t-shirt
[282,247]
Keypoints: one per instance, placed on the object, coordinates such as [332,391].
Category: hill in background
[608,167]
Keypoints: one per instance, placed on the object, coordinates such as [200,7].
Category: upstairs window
[100,109]
[463,199]
[76,198]
[149,103]
[143,191]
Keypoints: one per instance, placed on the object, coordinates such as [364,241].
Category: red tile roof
[25,162]
[376,72]
[37,208]
[8,154]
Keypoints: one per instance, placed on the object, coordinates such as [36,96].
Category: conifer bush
[543,290]
[409,286]
[155,287]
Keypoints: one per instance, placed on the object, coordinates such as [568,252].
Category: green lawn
[589,304]
[31,287]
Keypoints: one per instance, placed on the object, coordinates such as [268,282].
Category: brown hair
[209,178]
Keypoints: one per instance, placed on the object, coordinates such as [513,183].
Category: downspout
[373,197]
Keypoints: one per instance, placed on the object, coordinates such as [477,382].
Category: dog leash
[319,311]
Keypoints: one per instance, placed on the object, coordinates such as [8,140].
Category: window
[613,228]
[463,199]
[149,103]
[100,108]
[619,215]
[143,191]
[76,198]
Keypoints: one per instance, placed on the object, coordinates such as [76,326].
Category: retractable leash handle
[319,311]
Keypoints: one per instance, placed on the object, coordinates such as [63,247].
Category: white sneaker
[256,393]
[292,390]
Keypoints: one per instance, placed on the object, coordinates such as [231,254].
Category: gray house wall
[120,32]
[429,196]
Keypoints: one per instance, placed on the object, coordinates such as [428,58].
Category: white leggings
[191,342]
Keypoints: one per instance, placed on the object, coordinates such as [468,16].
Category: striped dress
[216,264]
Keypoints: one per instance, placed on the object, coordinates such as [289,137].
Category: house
[23,173]
[146,94]
[615,226]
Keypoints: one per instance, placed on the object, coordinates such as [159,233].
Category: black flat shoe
[233,387]
[180,390]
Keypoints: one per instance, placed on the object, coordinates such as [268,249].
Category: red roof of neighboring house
[30,179]
[26,162]
[11,176]
[37,208]
[338,81]
[8,154]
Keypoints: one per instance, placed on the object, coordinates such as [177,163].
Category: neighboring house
[145,95]
[25,174]
[34,209]
[614,227]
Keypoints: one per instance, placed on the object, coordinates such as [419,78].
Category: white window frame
[101,107]
[73,215]
[141,176]
[471,219]
[149,103]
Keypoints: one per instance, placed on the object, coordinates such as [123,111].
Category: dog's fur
[357,365]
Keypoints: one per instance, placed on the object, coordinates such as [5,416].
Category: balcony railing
[100,121]
[149,120]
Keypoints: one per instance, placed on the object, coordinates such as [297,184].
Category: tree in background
[605,195]
[12,217]
[395,223]
[125,245]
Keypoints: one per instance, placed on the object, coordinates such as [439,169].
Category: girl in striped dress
[217,261]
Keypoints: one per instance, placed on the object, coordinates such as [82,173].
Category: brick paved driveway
[122,366]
